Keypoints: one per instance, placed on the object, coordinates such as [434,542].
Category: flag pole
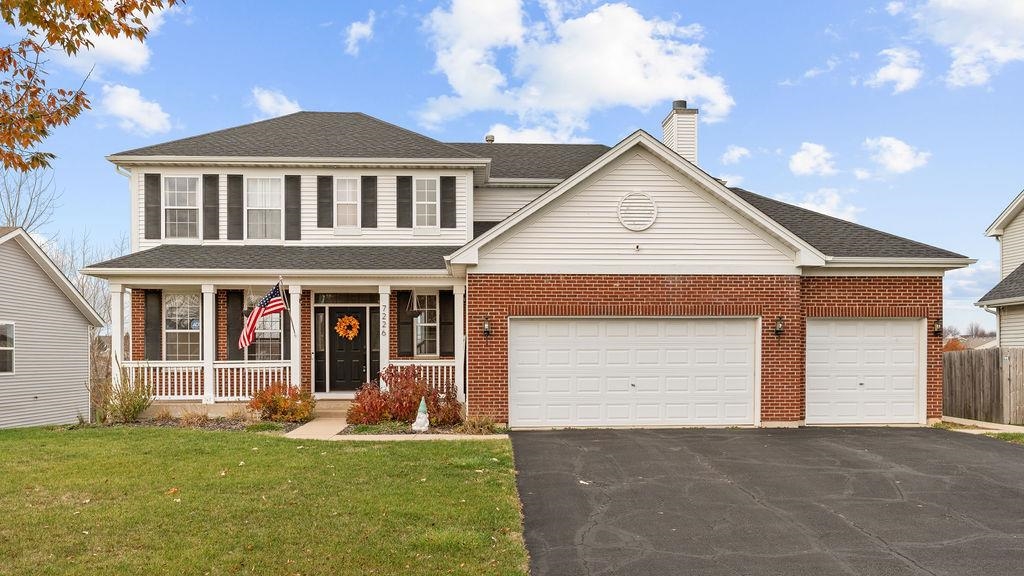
[287,306]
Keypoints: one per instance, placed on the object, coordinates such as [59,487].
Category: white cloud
[980,35]
[535,135]
[812,159]
[894,8]
[829,66]
[123,54]
[971,282]
[553,74]
[359,32]
[862,174]
[732,179]
[734,154]
[894,155]
[134,113]
[272,103]
[830,201]
[903,70]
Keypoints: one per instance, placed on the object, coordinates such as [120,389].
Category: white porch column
[116,332]
[460,341]
[209,335]
[385,326]
[295,307]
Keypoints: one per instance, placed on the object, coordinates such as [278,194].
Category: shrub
[401,400]
[368,407]
[444,407]
[283,403]
[128,399]
[478,425]
[193,419]
[163,414]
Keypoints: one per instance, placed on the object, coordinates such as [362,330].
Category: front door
[347,358]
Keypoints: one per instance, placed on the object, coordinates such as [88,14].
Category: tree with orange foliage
[953,345]
[29,109]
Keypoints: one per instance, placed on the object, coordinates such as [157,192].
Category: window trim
[164,208]
[437,205]
[250,305]
[416,323]
[163,324]
[245,210]
[13,349]
[357,227]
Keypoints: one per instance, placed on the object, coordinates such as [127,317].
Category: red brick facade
[793,298]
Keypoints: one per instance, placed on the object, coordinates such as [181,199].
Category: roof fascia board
[56,276]
[293,161]
[223,272]
[1006,216]
[1000,302]
[858,262]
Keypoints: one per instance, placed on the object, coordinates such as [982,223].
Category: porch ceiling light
[778,326]
[487,327]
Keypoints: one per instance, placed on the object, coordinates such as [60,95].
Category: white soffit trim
[56,276]
[807,254]
[227,272]
[1000,303]
[1006,216]
[922,263]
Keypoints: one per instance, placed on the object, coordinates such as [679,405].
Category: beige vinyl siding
[495,204]
[580,232]
[51,356]
[1011,246]
[680,134]
[1011,326]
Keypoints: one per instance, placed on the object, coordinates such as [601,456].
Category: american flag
[272,303]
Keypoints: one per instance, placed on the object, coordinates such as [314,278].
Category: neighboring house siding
[1011,326]
[51,347]
[495,204]
[581,232]
[1011,247]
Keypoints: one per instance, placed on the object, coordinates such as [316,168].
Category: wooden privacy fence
[985,385]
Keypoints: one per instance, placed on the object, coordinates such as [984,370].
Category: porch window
[266,344]
[182,327]
[426,202]
[346,199]
[6,347]
[426,325]
[263,214]
[181,207]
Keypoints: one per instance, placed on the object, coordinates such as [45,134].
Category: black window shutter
[368,197]
[325,202]
[446,323]
[286,330]
[405,201]
[211,206]
[235,207]
[152,206]
[293,208]
[447,201]
[405,328]
[154,321]
[236,299]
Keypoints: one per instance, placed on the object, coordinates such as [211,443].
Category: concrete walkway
[328,429]
[981,426]
[318,429]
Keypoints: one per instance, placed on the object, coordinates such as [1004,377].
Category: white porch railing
[438,373]
[241,380]
[168,380]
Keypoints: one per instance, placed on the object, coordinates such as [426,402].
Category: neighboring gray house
[1007,297]
[45,328]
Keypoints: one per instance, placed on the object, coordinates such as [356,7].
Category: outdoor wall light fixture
[778,326]
[937,328]
[487,327]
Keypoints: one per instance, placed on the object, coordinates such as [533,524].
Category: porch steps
[332,408]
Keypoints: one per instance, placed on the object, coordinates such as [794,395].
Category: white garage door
[863,371]
[631,372]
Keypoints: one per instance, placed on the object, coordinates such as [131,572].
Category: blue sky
[904,116]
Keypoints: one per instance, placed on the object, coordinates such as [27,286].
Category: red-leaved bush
[401,400]
[283,403]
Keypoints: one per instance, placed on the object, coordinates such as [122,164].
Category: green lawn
[168,501]
[1015,437]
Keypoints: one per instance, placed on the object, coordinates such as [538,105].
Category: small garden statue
[422,422]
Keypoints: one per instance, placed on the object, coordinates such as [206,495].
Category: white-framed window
[346,203]
[266,343]
[425,325]
[181,207]
[263,208]
[183,338]
[425,201]
[6,347]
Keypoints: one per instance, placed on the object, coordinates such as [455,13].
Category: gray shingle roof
[836,237]
[1010,287]
[178,256]
[535,160]
[309,134]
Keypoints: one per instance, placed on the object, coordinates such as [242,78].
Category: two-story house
[1007,297]
[551,284]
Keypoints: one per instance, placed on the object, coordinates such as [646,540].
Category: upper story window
[263,208]
[266,344]
[182,327]
[6,347]
[425,200]
[181,207]
[346,197]
[426,324]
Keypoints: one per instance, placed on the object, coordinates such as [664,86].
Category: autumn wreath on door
[347,327]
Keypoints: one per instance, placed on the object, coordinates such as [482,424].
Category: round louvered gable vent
[637,211]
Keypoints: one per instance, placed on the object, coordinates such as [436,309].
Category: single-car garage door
[631,371]
[863,371]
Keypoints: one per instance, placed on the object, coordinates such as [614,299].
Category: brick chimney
[679,130]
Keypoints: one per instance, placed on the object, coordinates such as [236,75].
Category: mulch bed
[213,424]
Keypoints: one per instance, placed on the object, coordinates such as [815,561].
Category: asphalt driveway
[822,501]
